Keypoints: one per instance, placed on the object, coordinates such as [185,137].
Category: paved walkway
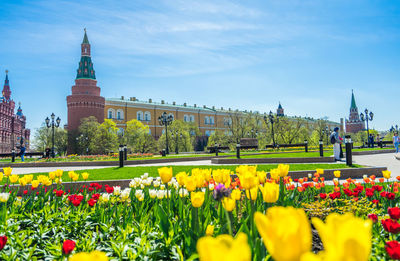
[377,160]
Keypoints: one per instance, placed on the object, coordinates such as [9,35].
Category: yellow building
[122,110]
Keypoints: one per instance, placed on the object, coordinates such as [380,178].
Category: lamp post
[367,117]
[272,120]
[392,129]
[165,120]
[86,139]
[52,125]
[177,135]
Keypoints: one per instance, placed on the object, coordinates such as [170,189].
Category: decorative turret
[279,111]
[19,111]
[354,123]
[6,89]
[353,101]
[85,70]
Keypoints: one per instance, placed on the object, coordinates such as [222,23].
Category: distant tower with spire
[354,123]
[280,111]
[85,99]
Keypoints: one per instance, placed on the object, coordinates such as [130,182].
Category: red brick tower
[354,123]
[85,100]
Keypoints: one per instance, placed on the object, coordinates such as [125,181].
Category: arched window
[212,120]
[147,116]
[120,114]
[185,118]
[206,120]
[192,118]
[110,114]
[139,116]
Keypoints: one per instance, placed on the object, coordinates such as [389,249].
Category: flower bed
[204,214]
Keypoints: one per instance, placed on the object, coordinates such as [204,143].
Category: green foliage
[138,138]
[106,138]
[179,138]
[86,138]
[42,139]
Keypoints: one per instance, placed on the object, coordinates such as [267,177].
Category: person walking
[335,140]
[396,141]
[22,152]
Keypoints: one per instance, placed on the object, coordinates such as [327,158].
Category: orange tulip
[346,185]
[398,177]
[322,179]
[381,180]
[315,179]
[316,175]
[301,181]
[322,185]
[373,177]
[373,183]
[300,189]
[336,189]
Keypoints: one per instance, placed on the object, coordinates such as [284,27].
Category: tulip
[393,249]
[59,173]
[221,175]
[224,248]
[4,196]
[14,178]
[181,178]
[248,180]
[320,171]
[35,184]
[3,241]
[7,171]
[1,176]
[22,181]
[68,246]
[274,174]
[270,192]
[283,170]
[236,194]
[386,174]
[52,175]
[197,199]
[210,230]
[252,193]
[261,175]
[345,237]
[285,231]
[336,173]
[165,174]
[190,183]
[95,255]
[229,204]
[85,175]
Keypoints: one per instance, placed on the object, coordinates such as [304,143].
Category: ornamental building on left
[13,132]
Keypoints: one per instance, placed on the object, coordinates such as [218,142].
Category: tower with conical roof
[354,123]
[280,111]
[85,99]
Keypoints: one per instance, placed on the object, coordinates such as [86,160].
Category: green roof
[85,38]
[353,101]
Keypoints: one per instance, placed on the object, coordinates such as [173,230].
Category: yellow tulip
[85,175]
[345,237]
[92,256]
[197,199]
[229,204]
[248,180]
[35,183]
[1,176]
[224,248]
[386,174]
[275,174]
[22,181]
[252,193]
[261,175]
[28,178]
[71,174]
[14,178]
[320,171]
[59,173]
[283,170]
[58,180]
[285,231]
[236,194]
[181,177]
[245,168]
[165,174]
[7,171]
[221,175]
[210,230]
[207,174]
[75,176]
[270,192]
[52,175]
[190,183]
[337,173]
[199,180]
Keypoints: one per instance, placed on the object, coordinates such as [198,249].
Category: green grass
[285,155]
[116,173]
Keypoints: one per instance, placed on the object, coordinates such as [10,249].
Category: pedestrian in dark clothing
[22,152]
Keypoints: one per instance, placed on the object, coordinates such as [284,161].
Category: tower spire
[353,101]
[85,70]
[6,89]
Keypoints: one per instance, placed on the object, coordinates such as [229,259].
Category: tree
[106,138]
[218,137]
[178,137]
[288,130]
[138,138]
[43,139]
[86,136]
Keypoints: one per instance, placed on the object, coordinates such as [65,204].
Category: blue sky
[239,54]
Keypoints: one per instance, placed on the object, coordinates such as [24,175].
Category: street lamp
[52,125]
[367,117]
[165,120]
[392,129]
[86,139]
[177,135]
[272,120]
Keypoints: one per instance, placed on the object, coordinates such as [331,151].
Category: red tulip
[373,217]
[322,195]
[3,242]
[394,213]
[91,202]
[393,249]
[68,246]
[391,226]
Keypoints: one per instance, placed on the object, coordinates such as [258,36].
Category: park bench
[297,145]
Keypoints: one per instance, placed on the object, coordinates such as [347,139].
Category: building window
[185,118]
[172,116]
[110,114]
[147,116]
[192,118]
[207,133]
[206,120]
[120,115]
[211,120]
[139,116]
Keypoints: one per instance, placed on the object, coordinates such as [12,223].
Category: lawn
[285,155]
[132,172]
